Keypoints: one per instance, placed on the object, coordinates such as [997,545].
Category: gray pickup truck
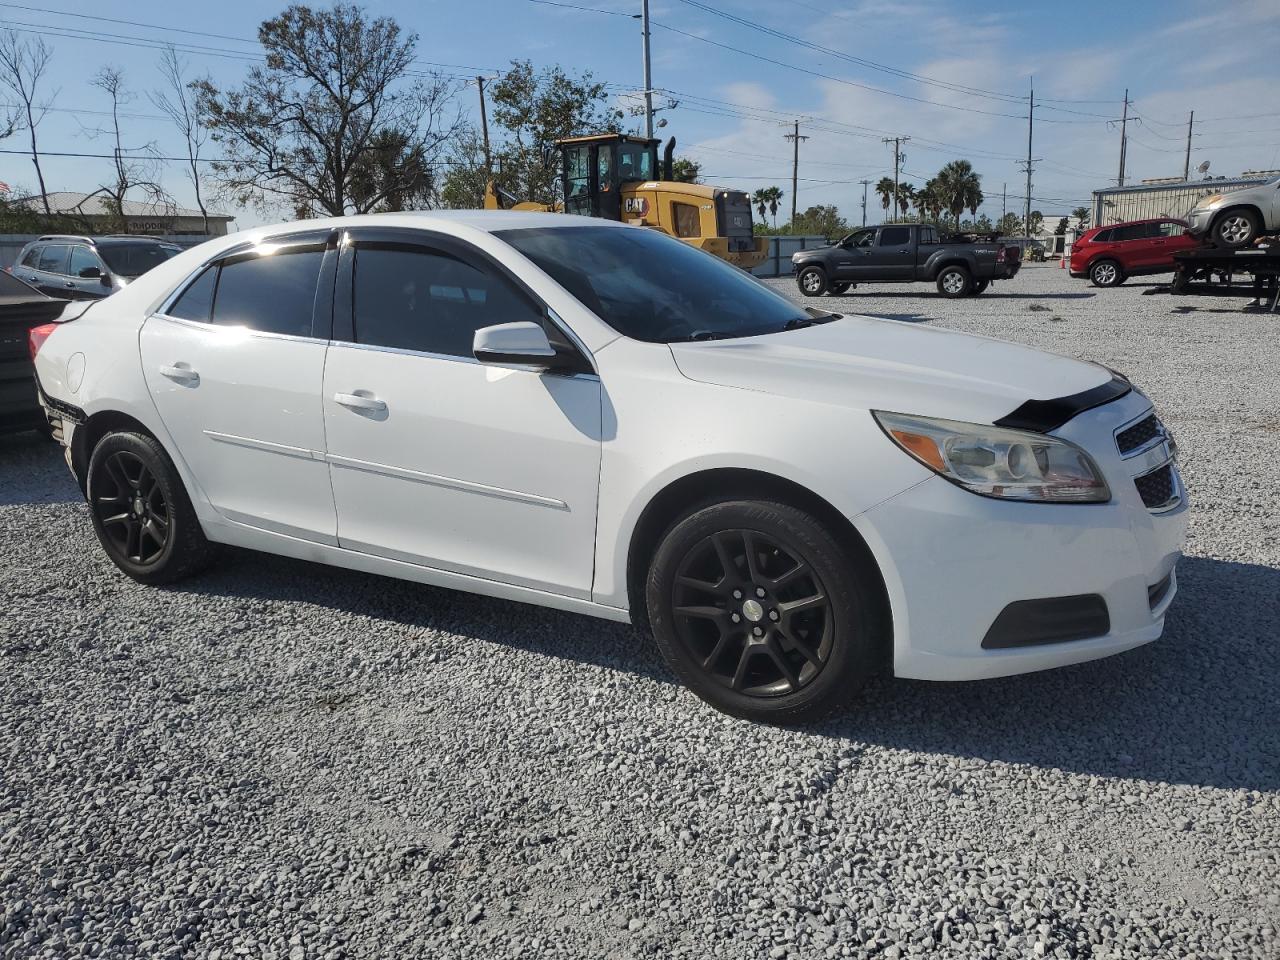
[905,253]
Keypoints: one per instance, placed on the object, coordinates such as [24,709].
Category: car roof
[83,238]
[488,221]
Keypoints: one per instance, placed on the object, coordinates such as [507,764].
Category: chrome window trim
[402,351]
[250,331]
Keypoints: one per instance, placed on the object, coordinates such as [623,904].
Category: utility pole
[648,74]
[1186,166]
[1031,115]
[1004,201]
[897,142]
[1124,137]
[795,138]
[484,126]
[864,200]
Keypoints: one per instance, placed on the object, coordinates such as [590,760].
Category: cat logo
[637,206]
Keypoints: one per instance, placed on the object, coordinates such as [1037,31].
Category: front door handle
[180,372]
[362,403]
[69,284]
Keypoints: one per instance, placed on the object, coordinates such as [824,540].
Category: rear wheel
[954,282]
[141,512]
[812,281]
[980,286]
[840,287]
[1236,228]
[1106,273]
[761,613]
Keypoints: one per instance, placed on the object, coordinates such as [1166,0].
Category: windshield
[132,259]
[650,287]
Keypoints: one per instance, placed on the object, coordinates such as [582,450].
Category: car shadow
[1196,707]
[34,471]
[990,294]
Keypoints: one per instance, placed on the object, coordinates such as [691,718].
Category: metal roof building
[153,219]
[1151,200]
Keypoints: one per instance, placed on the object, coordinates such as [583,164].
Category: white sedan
[599,418]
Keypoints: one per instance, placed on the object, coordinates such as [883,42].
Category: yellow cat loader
[616,176]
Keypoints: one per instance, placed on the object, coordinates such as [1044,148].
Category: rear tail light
[36,337]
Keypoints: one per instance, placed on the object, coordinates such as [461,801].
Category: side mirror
[522,342]
[90,273]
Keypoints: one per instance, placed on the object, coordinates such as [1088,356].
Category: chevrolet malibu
[596,417]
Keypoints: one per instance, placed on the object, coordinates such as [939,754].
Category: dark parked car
[1109,255]
[22,309]
[85,268]
[904,253]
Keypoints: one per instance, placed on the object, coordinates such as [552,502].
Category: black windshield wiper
[822,316]
[702,335]
[798,323]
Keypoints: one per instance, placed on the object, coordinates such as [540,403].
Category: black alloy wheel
[755,615]
[132,508]
[141,512]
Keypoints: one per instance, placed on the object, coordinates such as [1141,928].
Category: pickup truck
[904,253]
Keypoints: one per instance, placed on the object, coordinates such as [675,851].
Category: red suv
[1108,255]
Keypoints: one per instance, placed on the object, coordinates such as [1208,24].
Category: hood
[810,251]
[866,363]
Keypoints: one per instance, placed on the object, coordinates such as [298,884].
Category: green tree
[684,170]
[773,195]
[1082,216]
[336,100]
[960,188]
[1036,224]
[1010,225]
[822,220]
[1061,228]
[884,190]
[906,196]
[530,111]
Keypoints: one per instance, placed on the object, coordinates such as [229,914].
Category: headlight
[994,462]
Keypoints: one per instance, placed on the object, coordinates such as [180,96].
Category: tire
[980,286]
[840,287]
[955,281]
[1234,229]
[141,512]
[812,281]
[747,655]
[1106,273]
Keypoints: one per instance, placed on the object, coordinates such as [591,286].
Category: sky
[953,76]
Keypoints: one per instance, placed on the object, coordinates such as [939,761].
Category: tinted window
[1103,236]
[196,302]
[650,287]
[634,162]
[895,236]
[418,299]
[928,235]
[81,259]
[53,258]
[1133,231]
[32,256]
[862,238]
[132,259]
[686,219]
[1170,229]
[275,293]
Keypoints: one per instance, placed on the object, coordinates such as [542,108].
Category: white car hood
[876,364]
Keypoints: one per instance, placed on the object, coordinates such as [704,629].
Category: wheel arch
[96,426]
[684,494]
[950,261]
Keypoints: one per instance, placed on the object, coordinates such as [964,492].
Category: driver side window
[862,238]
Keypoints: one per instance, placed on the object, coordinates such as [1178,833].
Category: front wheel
[954,282]
[1106,273]
[141,512]
[840,287]
[1236,228]
[812,281]
[761,612]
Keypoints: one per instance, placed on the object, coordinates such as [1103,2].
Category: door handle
[68,284]
[357,402]
[180,372]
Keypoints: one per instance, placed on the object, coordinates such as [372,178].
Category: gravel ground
[281,760]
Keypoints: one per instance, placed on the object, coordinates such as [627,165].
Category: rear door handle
[181,372]
[69,283]
[357,402]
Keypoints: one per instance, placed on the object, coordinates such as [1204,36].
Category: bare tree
[336,121]
[133,168]
[22,67]
[177,102]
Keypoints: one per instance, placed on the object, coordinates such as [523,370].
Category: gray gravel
[281,760]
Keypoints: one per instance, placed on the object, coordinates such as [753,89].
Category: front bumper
[953,561]
[1199,221]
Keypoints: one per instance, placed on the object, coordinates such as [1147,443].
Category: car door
[235,363]
[50,274]
[84,275]
[1171,238]
[1132,246]
[893,256]
[849,256]
[438,459]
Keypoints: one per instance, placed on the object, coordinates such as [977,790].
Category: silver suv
[1238,217]
[88,268]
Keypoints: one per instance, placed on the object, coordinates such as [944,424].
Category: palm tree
[760,201]
[884,189]
[906,193]
[960,188]
[773,197]
[1082,216]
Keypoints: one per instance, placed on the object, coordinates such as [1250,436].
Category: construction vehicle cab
[617,176]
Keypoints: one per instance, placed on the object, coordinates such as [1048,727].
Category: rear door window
[895,236]
[425,300]
[1133,231]
[53,258]
[32,257]
[273,294]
